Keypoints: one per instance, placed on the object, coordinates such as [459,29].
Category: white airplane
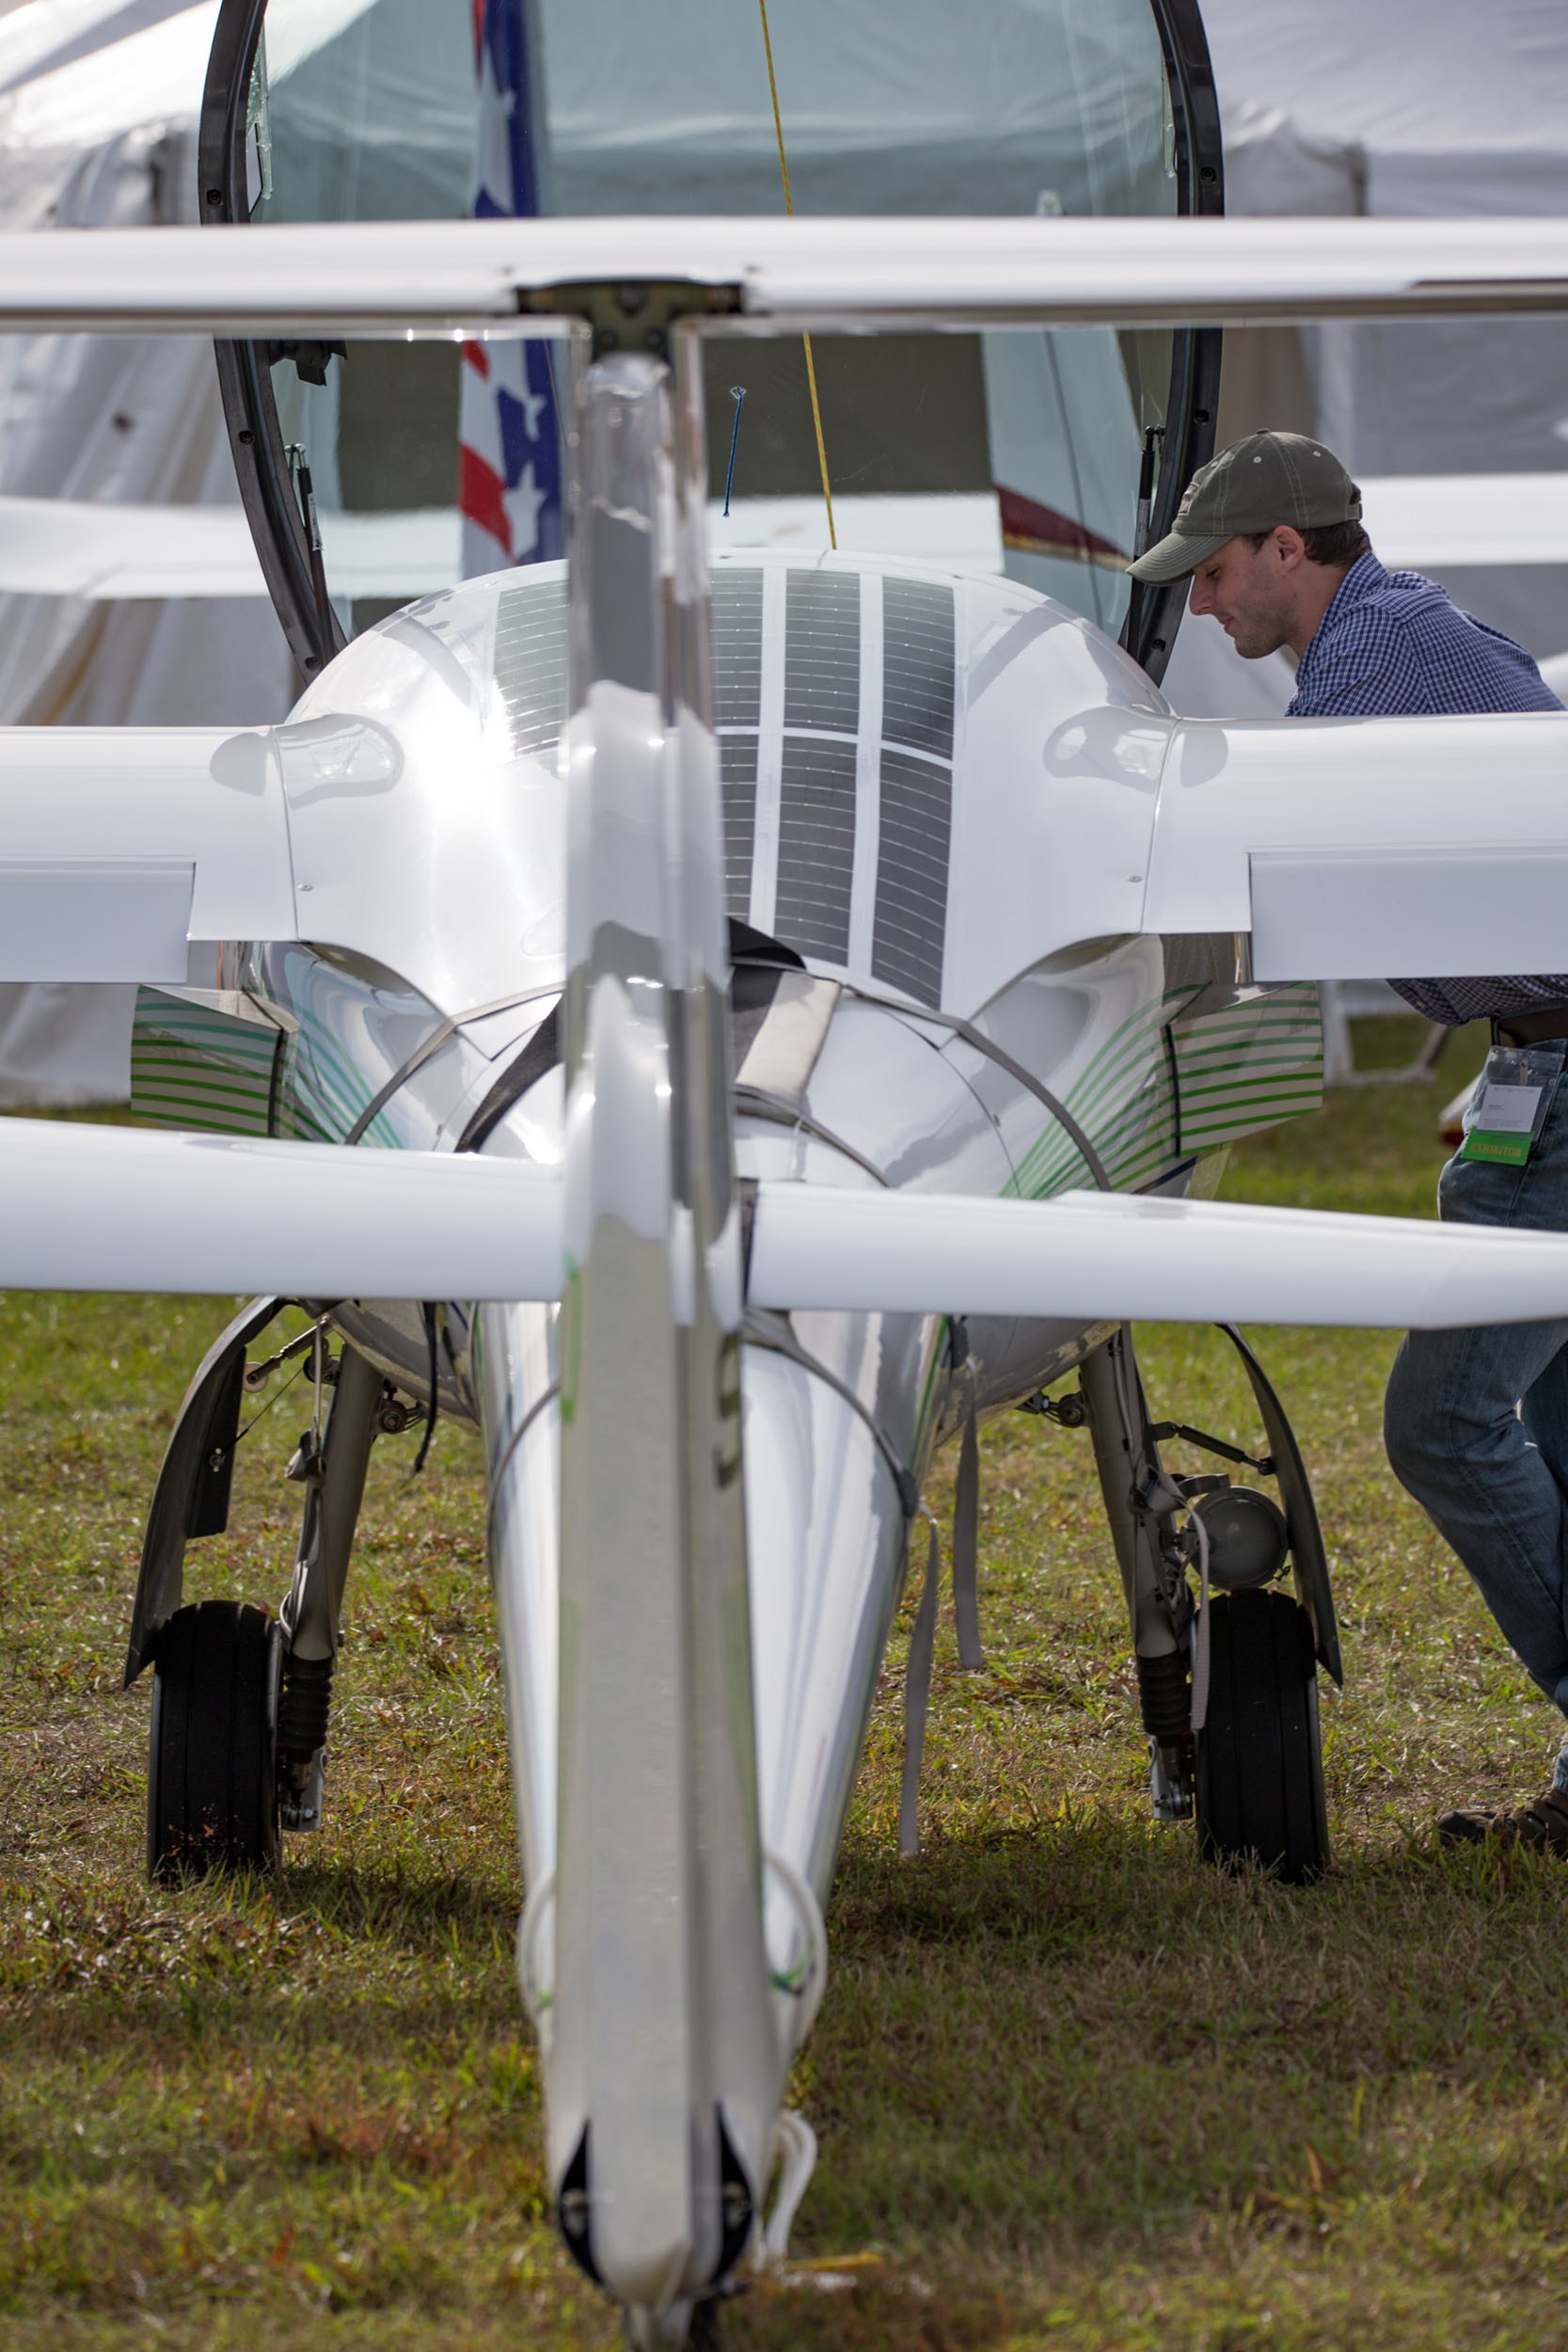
[724,1035]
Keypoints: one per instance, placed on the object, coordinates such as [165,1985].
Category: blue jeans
[1476,1422]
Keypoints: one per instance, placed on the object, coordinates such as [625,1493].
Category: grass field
[1072,2092]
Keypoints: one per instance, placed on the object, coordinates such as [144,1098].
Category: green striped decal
[1248,1066]
[1124,1102]
[194,1064]
[1237,1070]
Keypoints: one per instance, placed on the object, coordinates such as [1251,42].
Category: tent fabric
[1272,166]
[98,107]
[64,1046]
[139,66]
[1466,104]
[39,37]
[1428,110]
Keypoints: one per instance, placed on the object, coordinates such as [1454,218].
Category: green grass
[1073,2091]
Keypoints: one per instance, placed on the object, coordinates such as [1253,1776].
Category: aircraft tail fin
[664,2066]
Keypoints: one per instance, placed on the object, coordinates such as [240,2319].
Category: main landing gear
[241,1700]
[212,1781]
[1259,1783]
[1228,1673]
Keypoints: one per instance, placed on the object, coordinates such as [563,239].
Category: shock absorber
[1163,1696]
[304,1704]
[1165,1703]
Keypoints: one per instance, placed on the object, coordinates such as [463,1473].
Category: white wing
[442,277]
[74,548]
[104,1208]
[71,548]
[1348,849]
[1428,522]
[1099,1256]
[118,845]
[1351,848]
[115,1209]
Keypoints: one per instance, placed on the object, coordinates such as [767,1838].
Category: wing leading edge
[199,1214]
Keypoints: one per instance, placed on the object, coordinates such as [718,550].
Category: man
[1476,1422]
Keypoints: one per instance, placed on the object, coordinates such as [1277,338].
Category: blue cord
[737,393]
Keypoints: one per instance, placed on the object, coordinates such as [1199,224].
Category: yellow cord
[789,208]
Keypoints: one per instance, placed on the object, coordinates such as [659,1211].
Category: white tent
[1413,108]
[98,108]
[1425,108]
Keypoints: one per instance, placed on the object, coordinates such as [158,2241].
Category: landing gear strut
[1228,1678]
[333,1475]
[240,1701]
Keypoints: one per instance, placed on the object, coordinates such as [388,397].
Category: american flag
[509,458]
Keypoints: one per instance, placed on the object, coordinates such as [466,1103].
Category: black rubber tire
[212,1794]
[1259,1756]
[705,2335]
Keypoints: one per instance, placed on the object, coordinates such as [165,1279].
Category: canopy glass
[1017,452]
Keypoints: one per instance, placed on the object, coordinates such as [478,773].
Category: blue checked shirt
[1392,646]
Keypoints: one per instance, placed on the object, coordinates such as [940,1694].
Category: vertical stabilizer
[664,2066]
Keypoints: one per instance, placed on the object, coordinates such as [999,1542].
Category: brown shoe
[1542,1825]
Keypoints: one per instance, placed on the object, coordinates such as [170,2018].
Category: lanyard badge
[1508,1110]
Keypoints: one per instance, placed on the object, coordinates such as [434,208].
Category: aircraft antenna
[789,208]
[737,393]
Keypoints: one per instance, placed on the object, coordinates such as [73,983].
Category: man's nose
[1198,599]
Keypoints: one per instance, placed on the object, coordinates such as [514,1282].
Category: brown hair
[1335,544]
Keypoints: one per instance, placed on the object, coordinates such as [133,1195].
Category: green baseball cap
[1267,478]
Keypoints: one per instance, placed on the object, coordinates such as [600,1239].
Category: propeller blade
[1103,1256]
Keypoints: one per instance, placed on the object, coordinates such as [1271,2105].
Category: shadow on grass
[413,1907]
[1054,2037]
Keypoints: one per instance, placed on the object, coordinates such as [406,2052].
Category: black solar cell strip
[910,925]
[738,645]
[737,772]
[918,665]
[817,847]
[531,661]
[822,651]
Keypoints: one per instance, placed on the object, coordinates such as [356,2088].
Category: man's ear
[1290,547]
